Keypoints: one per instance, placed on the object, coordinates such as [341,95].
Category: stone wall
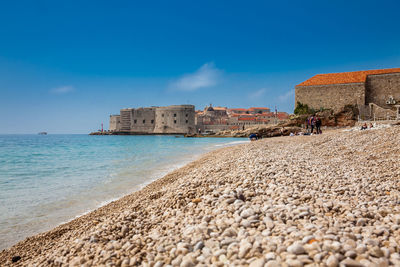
[214,128]
[143,120]
[179,119]
[380,113]
[126,115]
[380,87]
[114,123]
[334,96]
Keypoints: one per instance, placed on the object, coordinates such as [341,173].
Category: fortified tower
[142,120]
[125,119]
[177,119]
[115,123]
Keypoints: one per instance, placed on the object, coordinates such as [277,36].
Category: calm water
[47,180]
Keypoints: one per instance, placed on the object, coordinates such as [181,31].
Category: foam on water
[47,180]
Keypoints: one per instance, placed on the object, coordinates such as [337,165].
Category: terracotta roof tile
[253,108]
[344,77]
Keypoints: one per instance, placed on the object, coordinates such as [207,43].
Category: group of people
[314,123]
[364,127]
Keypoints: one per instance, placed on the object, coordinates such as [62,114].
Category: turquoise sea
[51,179]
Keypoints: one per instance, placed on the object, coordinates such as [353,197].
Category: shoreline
[156,173]
[152,225]
[93,217]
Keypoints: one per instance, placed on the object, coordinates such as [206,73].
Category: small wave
[232,143]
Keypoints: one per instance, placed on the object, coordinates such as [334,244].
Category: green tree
[302,109]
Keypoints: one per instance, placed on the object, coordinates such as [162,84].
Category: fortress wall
[214,128]
[125,119]
[175,119]
[114,123]
[143,120]
[380,87]
[333,96]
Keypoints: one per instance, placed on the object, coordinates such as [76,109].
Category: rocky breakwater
[264,131]
[328,200]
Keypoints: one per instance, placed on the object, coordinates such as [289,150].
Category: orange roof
[252,119]
[252,108]
[247,119]
[282,116]
[344,77]
[242,109]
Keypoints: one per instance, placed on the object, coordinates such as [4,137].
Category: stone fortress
[183,119]
[176,119]
[376,93]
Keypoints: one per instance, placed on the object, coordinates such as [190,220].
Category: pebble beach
[324,200]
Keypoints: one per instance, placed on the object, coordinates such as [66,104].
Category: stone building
[216,119]
[212,119]
[375,92]
[176,119]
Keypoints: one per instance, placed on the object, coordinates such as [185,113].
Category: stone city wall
[213,127]
[114,123]
[380,87]
[333,96]
[143,120]
[179,119]
[125,119]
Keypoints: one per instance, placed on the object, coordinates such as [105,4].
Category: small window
[152,121]
[175,115]
[162,115]
[135,121]
[187,121]
[144,121]
[187,115]
[174,121]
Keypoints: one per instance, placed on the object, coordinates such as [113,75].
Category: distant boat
[42,133]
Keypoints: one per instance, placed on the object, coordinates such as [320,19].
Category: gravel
[330,200]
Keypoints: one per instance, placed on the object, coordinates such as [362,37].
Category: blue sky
[66,65]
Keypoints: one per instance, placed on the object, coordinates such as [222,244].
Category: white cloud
[207,76]
[257,94]
[286,96]
[62,90]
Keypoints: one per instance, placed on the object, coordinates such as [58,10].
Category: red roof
[247,119]
[252,119]
[344,77]
[282,115]
[252,108]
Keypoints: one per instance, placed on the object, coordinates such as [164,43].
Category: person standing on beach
[312,123]
[307,124]
[318,124]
